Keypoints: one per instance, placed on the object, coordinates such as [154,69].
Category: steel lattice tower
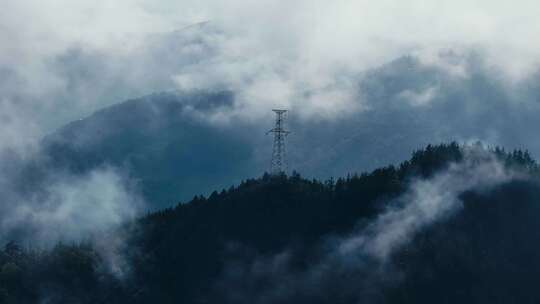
[279,161]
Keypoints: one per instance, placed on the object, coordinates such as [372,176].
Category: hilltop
[452,224]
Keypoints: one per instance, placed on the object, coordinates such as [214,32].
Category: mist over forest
[135,152]
[429,229]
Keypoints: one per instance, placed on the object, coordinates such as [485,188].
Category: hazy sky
[60,60]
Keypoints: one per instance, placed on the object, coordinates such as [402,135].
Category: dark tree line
[487,253]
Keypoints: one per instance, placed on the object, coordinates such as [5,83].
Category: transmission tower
[279,161]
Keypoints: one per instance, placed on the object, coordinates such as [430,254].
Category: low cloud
[312,57]
[74,58]
[359,266]
[427,201]
[419,99]
[72,208]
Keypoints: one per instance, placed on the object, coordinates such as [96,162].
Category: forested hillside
[451,225]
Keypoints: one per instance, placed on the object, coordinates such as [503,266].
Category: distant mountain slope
[451,225]
[404,104]
[160,142]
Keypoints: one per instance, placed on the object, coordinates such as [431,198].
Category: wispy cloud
[72,208]
[359,266]
[76,57]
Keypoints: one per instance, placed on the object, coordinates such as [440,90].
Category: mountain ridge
[318,242]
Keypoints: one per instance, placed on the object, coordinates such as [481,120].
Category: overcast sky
[472,72]
[61,59]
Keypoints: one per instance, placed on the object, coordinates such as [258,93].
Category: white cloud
[69,208]
[73,208]
[418,99]
[273,51]
[428,201]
